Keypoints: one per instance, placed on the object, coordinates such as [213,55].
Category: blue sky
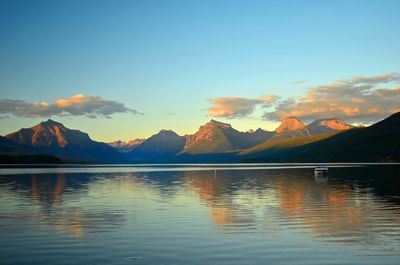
[166,59]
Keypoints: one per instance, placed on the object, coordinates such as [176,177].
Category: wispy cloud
[299,82]
[359,99]
[77,105]
[237,107]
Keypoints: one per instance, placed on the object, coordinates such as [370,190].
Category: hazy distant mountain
[218,137]
[162,146]
[292,127]
[256,137]
[376,143]
[125,147]
[54,138]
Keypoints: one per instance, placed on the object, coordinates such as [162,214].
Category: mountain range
[327,140]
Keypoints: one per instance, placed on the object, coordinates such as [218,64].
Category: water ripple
[274,214]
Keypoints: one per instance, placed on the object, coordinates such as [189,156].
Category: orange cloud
[77,105]
[76,100]
[360,99]
[236,107]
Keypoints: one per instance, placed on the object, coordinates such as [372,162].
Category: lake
[200,214]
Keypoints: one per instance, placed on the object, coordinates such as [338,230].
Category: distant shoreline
[13,169]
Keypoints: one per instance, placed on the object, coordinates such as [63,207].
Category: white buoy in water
[321,171]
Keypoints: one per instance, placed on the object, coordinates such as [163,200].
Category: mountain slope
[51,137]
[286,143]
[14,153]
[10,147]
[162,146]
[377,143]
[256,137]
[218,137]
[327,126]
[290,124]
[292,127]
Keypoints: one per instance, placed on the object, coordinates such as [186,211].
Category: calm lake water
[200,214]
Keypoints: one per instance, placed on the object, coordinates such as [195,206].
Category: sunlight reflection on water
[193,214]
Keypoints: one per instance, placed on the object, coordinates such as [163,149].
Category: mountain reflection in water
[357,207]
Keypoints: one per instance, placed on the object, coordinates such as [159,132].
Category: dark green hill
[377,143]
